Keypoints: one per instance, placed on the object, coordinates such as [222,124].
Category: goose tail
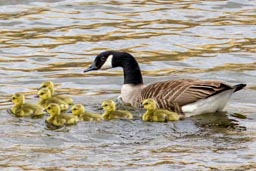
[238,87]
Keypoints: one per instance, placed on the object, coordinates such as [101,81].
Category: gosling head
[44,93]
[53,109]
[18,98]
[110,59]
[77,109]
[47,84]
[149,104]
[109,105]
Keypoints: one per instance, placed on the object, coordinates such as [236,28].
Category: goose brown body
[189,96]
[173,94]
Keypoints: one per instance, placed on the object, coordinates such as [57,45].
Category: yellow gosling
[78,110]
[50,85]
[22,109]
[46,98]
[153,114]
[109,107]
[57,118]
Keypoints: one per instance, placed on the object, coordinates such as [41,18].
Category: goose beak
[91,68]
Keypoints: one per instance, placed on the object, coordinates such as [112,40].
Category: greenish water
[57,40]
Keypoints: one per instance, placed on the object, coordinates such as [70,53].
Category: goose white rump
[211,104]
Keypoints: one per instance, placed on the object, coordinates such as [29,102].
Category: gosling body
[57,118]
[78,110]
[153,114]
[50,86]
[110,113]
[46,99]
[22,109]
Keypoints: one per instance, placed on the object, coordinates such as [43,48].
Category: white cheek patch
[108,63]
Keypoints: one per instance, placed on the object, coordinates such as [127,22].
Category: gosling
[110,113]
[22,109]
[46,98]
[79,111]
[153,114]
[50,85]
[57,118]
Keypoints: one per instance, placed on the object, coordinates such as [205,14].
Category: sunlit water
[56,40]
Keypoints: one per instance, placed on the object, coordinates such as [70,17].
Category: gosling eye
[13,98]
[44,86]
[74,109]
[41,93]
[105,105]
[145,103]
[48,108]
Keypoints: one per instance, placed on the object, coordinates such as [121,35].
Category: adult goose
[187,96]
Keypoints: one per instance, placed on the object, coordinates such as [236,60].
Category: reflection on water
[56,40]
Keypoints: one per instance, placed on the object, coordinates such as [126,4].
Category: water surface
[56,40]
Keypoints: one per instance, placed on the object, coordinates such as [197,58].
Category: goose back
[173,94]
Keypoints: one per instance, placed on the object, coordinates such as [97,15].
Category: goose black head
[102,61]
[112,59]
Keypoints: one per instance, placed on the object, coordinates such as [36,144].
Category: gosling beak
[39,88]
[91,68]
[10,100]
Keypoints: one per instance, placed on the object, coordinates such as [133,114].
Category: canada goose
[153,114]
[79,111]
[57,118]
[46,98]
[22,109]
[188,96]
[50,85]
[109,107]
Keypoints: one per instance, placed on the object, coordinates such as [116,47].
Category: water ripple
[57,39]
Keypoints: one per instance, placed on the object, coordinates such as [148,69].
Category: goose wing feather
[169,94]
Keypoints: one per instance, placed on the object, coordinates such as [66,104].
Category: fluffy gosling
[50,85]
[22,109]
[46,98]
[78,110]
[57,118]
[153,114]
[109,107]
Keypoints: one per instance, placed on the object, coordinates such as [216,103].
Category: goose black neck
[131,69]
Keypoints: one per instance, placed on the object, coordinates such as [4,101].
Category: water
[56,40]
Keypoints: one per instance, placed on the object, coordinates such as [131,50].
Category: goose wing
[173,93]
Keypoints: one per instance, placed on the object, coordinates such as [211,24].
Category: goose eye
[103,59]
